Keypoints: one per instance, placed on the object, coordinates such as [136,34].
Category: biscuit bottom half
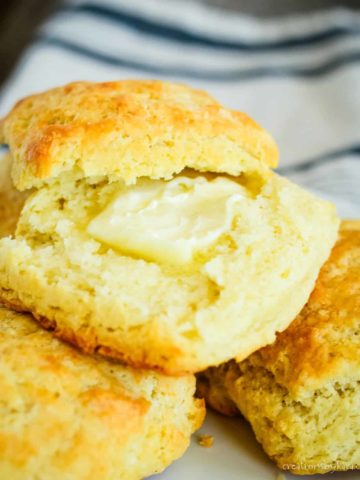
[248,284]
[301,395]
[64,414]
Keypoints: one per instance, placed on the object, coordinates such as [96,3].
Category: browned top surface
[128,129]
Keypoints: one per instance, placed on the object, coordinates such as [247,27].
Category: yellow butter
[168,221]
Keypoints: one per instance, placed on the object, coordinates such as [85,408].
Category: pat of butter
[168,221]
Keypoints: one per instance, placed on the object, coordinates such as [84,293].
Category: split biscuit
[157,232]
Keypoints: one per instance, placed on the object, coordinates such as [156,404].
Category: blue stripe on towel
[328,66]
[331,157]
[176,33]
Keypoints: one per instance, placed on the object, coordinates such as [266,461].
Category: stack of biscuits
[147,240]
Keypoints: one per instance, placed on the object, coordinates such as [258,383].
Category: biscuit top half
[129,129]
[322,344]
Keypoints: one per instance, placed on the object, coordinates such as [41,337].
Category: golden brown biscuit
[130,129]
[67,415]
[175,274]
[11,200]
[302,394]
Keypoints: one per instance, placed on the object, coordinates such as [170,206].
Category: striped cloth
[299,76]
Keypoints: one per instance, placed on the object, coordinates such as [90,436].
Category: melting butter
[168,221]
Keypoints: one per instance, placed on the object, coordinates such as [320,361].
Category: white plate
[235,455]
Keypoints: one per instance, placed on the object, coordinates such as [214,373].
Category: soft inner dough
[230,301]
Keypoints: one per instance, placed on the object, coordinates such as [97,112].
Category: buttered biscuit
[11,200]
[157,232]
[64,414]
[302,394]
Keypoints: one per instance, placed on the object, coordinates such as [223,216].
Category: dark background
[19,19]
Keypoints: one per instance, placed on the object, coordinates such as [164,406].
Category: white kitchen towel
[298,76]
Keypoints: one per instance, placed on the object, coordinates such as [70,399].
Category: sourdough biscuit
[177,273]
[302,394]
[67,415]
[11,200]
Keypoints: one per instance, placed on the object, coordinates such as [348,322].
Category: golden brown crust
[128,129]
[60,406]
[11,200]
[89,343]
[210,386]
[324,336]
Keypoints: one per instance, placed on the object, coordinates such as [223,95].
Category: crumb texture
[156,315]
[206,441]
[67,415]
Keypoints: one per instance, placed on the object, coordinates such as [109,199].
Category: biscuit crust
[301,394]
[11,200]
[128,129]
[64,413]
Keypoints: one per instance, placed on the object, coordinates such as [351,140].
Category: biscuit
[262,240]
[301,395]
[130,129]
[11,200]
[68,415]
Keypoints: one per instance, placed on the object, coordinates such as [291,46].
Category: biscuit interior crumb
[156,315]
